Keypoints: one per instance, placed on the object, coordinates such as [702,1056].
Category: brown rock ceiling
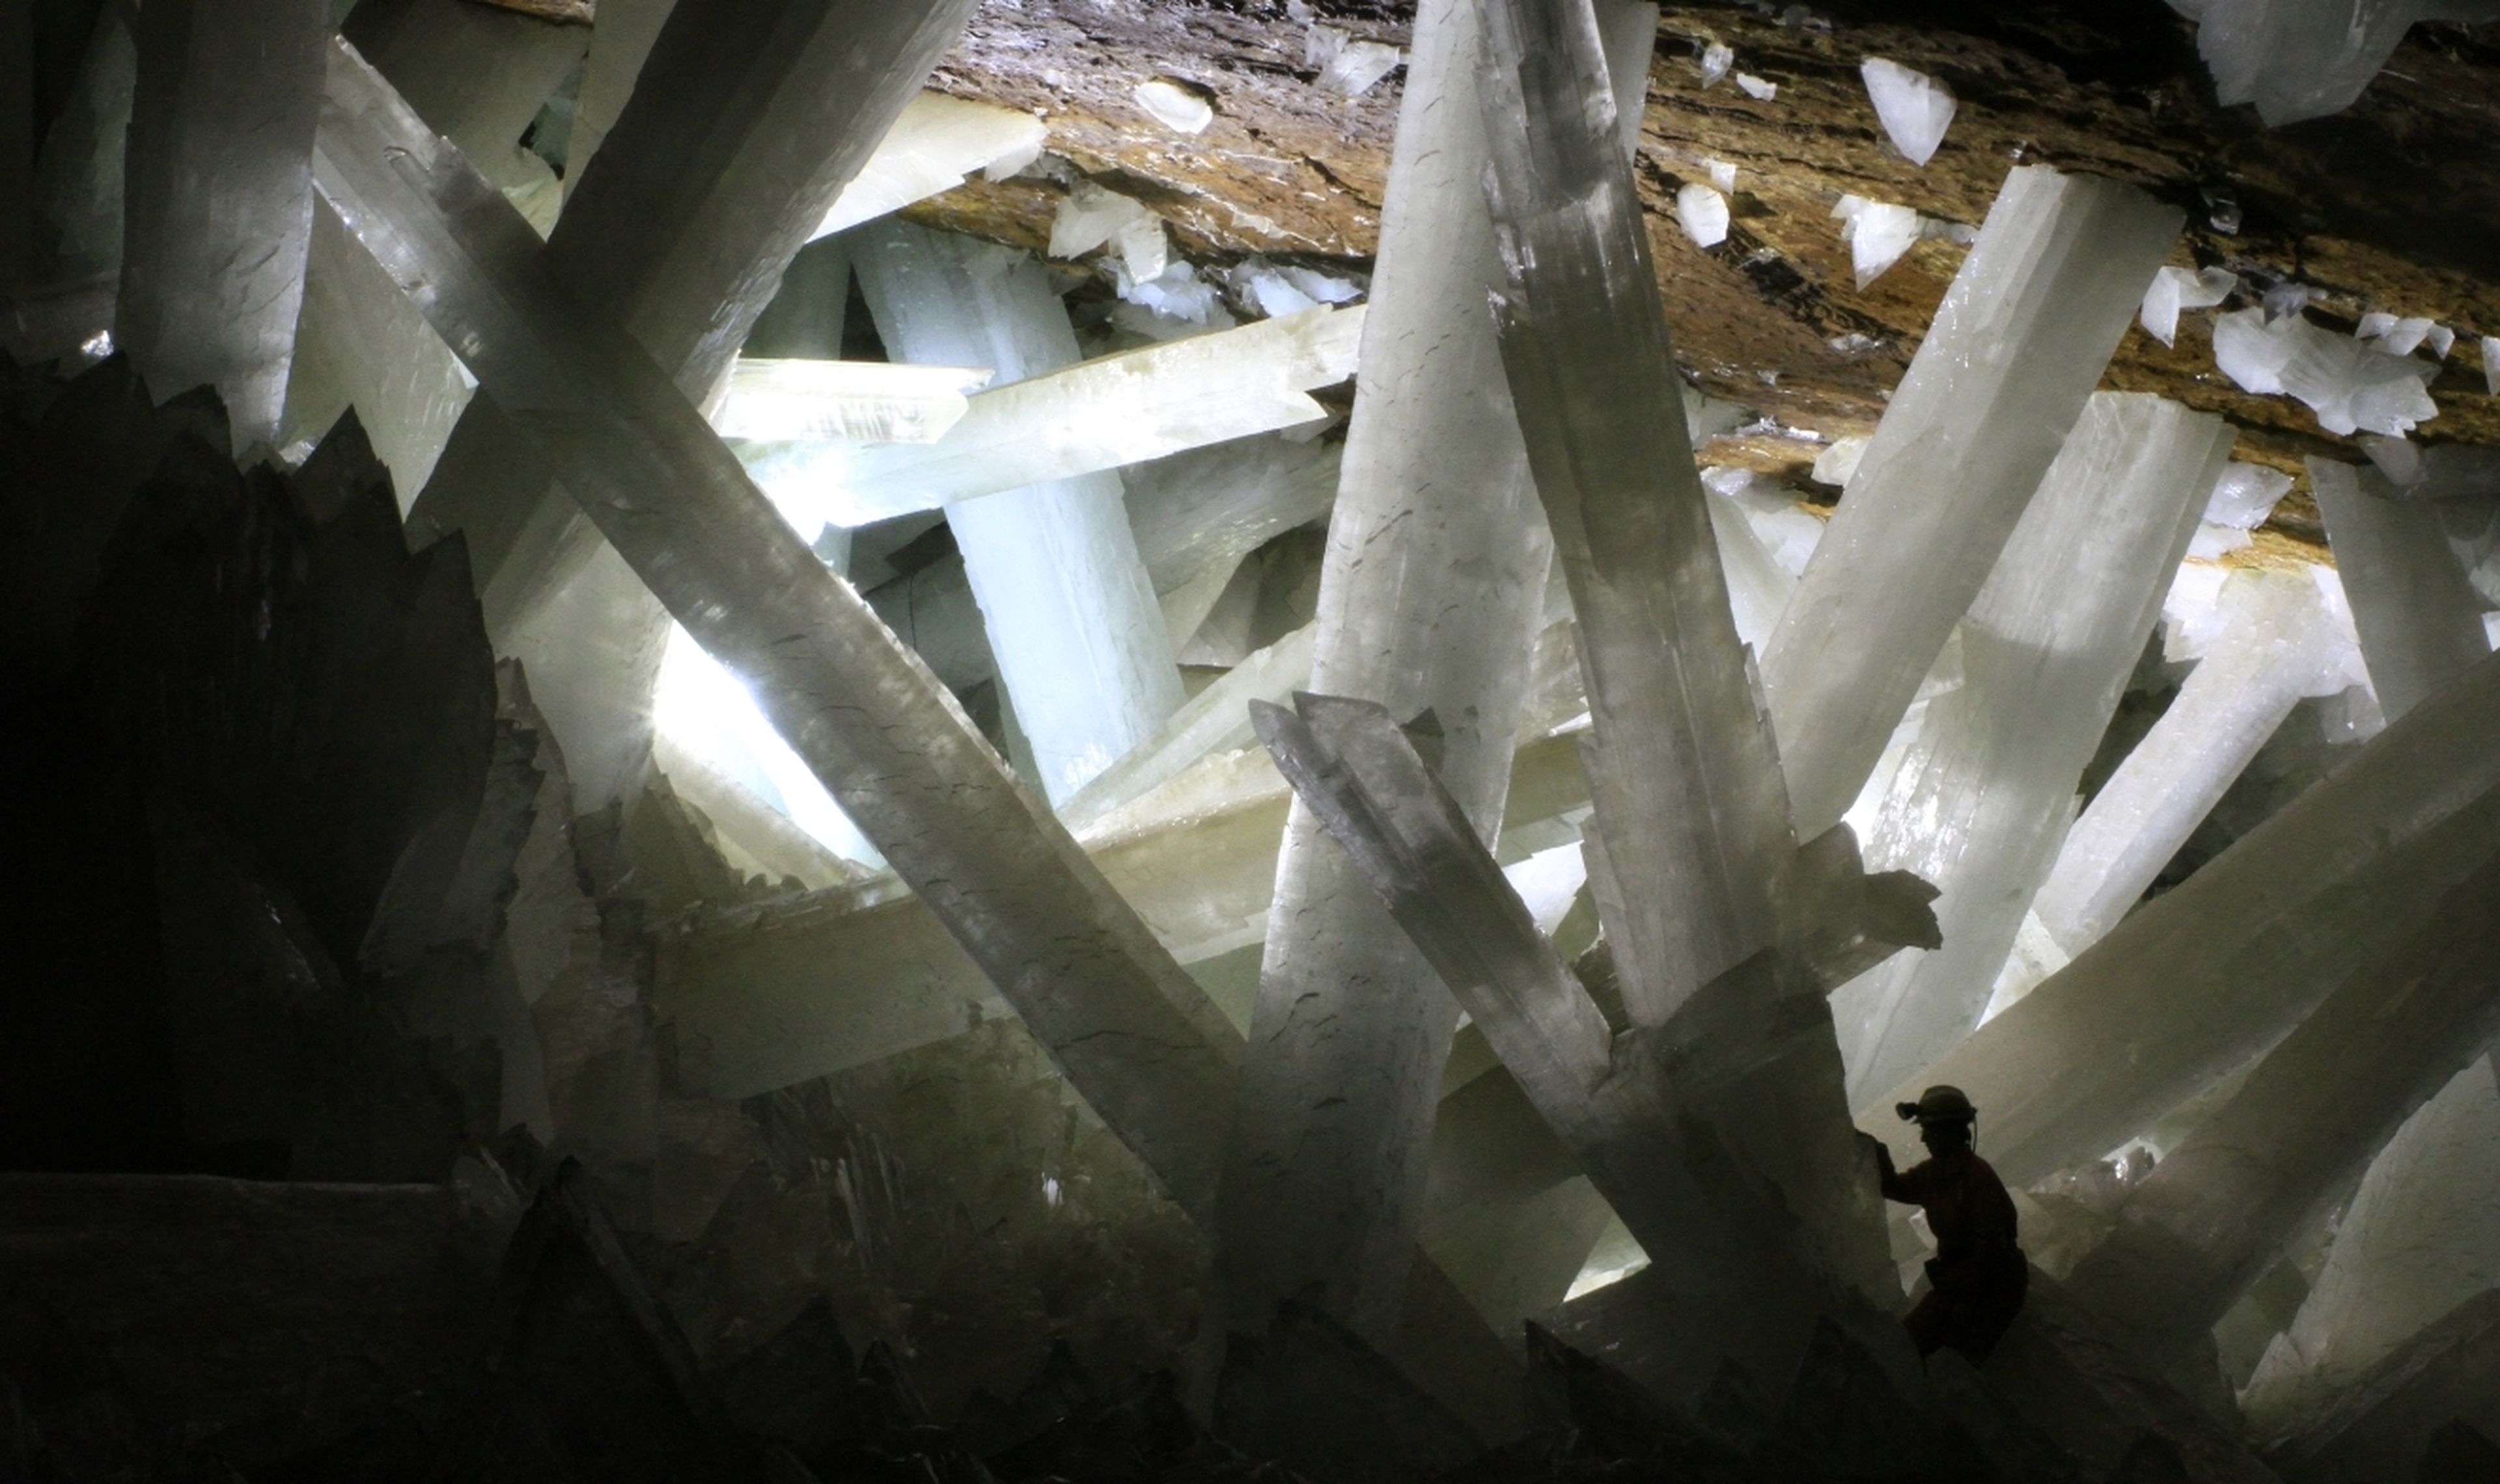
[2394,205]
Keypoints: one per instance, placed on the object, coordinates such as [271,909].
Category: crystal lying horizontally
[218,216]
[1081,419]
[1081,649]
[1196,514]
[2202,977]
[1980,804]
[684,233]
[849,402]
[1135,1038]
[2421,1235]
[2420,622]
[2222,1205]
[1429,596]
[2276,646]
[2023,335]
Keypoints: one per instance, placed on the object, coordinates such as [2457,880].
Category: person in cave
[1978,1278]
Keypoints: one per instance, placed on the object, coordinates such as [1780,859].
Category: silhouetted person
[1978,1276]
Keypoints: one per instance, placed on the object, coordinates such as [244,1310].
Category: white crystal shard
[1215,719]
[2275,646]
[2178,289]
[1834,465]
[1081,647]
[935,142]
[1715,58]
[1433,585]
[1181,110]
[2420,620]
[2491,364]
[2245,495]
[2350,385]
[1173,305]
[1354,66]
[217,216]
[1757,88]
[2221,1206]
[2023,335]
[1627,33]
[852,402]
[2401,337]
[2204,976]
[1981,805]
[1878,232]
[1090,217]
[1703,212]
[2420,1236]
[1134,1034]
[1078,421]
[1722,175]
[1274,289]
[1759,587]
[1914,108]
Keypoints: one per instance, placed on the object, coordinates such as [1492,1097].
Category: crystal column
[2203,977]
[1071,613]
[1982,801]
[2020,339]
[1134,1036]
[2420,620]
[218,214]
[1434,581]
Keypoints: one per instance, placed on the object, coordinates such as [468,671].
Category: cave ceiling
[2394,205]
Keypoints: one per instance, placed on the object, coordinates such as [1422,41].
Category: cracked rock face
[2393,206]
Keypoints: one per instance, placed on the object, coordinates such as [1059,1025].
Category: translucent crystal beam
[217,216]
[2275,646]
[1137,1039]
[1433,583]
[2023,335]
[478,76]
[1081,647]
[1098,414]
[2204,976]
[747,125]
[1981,804]
[2420,620]
[2221,1207]
[936,142]
[2420,1236]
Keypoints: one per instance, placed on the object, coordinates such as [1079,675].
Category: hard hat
[1940,1104]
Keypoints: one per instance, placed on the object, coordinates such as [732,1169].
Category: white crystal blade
[935,142]
[1914,108]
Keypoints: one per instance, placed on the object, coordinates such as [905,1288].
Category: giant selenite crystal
[2201,978]
[2418,619]
[1691,814]
[751,123]
[2299,59]
[2020,338]
[1071,615]
[1979,805]
[218,208]
[2276,645]
[1062,424]
[2220,1208]
[1135,1038]
[1434,577]
[2420,1236]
